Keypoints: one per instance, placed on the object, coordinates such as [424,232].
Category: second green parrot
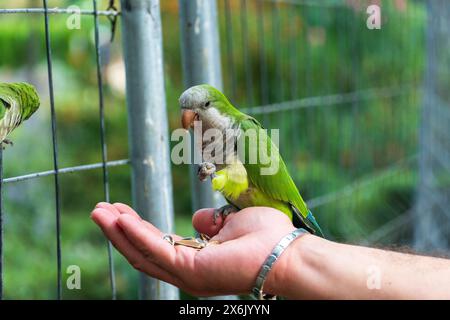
[239,180]
[18,101]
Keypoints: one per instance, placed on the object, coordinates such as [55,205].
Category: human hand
[246,239]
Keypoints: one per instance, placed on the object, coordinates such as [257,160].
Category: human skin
[310,268]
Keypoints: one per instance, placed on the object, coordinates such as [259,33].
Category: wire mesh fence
[346,98]
[348,101]
[45,11]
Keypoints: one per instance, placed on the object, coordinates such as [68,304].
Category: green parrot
[18,101]
[238,179]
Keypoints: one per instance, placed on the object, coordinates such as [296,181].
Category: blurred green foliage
[316,51]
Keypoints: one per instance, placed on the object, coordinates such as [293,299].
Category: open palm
[246,239]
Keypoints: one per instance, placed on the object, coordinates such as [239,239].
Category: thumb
[203,222]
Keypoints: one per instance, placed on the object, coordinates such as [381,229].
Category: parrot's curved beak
[187,118]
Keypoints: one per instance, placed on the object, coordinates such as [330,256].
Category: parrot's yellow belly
[233,183]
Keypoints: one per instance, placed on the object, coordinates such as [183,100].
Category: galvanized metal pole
[201,64]
[431,215]
[148,126]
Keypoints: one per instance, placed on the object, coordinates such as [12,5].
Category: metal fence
[57,170]
[349,131]
[431,214]
[347,101]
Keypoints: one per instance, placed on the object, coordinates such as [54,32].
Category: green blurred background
[364,148]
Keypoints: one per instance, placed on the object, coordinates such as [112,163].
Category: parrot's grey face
[197,105]
[193,102]
[194,98]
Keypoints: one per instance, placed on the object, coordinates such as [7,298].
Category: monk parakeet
[241,181]
[18,101]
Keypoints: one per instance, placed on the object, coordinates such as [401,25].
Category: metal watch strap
[271,259]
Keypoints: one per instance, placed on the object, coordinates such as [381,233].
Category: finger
[109,207]
[108,223]
[203,222]
[150,244]
[124,208]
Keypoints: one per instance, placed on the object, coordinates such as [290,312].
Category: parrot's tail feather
[300,221]
[311,219]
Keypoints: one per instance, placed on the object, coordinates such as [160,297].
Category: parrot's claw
[224,212]
[5,142]
[206,169]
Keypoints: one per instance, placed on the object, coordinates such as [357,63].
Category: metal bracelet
[271,259]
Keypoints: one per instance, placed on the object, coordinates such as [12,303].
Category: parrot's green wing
[278,186]
[18,101]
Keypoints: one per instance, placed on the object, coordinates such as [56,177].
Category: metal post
[201,64]
[147,125]
[431,215]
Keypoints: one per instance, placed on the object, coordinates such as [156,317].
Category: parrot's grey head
[207,104]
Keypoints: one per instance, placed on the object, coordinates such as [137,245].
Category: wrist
[279,276]
[292,272]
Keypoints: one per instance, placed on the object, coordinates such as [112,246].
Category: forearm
[314,268]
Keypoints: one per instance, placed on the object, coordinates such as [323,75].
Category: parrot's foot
[6,141]
[206,169]
[224,211]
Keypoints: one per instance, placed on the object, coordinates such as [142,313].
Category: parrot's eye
[207,104]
